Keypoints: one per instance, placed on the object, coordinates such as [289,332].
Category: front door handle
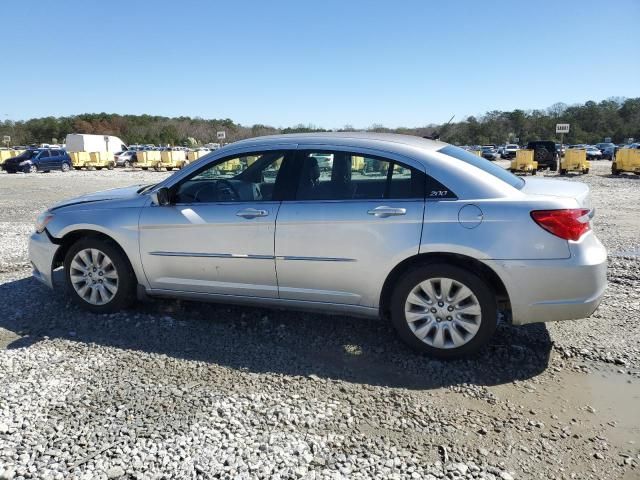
[252,213]
[384,212]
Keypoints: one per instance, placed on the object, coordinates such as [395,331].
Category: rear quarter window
[483,164]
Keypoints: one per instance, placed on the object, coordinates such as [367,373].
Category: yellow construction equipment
[626,160]
[100,160]
[79,159]
[357,163]
[193,156]
[524,162]
[146,159]
[172,159]
[97,160]
[5,155]
[574,160]
[15,153]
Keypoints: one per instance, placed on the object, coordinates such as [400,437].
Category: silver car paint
[297,255]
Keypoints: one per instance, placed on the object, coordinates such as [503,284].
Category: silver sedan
[434,238]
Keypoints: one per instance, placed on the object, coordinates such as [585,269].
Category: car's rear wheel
[444,311]
[127,164]
[99,277]
[65,167]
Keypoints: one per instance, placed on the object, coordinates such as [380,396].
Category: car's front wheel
[444,311]
[99,277]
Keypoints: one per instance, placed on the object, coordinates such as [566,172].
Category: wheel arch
[463,261]
[70,238]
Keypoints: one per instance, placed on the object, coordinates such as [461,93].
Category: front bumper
[552,290]
[41,253]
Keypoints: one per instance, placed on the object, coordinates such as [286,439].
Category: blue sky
[327,63]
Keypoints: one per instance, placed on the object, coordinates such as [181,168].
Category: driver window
[246,178]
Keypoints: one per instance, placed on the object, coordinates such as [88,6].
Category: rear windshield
[483,164]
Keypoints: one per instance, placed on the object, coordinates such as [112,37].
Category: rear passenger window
[346,176]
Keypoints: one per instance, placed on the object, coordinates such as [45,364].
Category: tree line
[591,122]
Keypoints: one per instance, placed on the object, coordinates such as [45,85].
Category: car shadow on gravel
[258,340]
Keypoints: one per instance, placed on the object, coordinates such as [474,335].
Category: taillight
[569,224]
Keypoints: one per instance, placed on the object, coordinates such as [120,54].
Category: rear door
[55,161]
[353,218]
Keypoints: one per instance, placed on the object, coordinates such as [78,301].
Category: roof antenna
[436,135]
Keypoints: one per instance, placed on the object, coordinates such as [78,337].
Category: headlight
[43,219]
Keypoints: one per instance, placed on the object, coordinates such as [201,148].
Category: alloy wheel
[94,276]
[443,313]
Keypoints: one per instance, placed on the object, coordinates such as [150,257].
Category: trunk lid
[558,188]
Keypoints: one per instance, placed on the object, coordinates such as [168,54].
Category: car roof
[346,138]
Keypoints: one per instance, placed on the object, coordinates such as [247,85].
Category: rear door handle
[384,212]
[252,213]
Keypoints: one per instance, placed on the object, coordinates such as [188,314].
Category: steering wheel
[226,191]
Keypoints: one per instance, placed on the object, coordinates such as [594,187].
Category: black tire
[534,171]
[484,294]
[563,171]
[614,169]
[65,167]
[127,164]
[111,166]
[77,168]
[585,171]
[125,294]
[30,169]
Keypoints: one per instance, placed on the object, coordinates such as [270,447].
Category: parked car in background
[609,153]
[126,158]
[561,149]
[38,160]
[608,150]
[500,150]
[510,150]
[593,153]
[489,152]
[544,152]
[340,242]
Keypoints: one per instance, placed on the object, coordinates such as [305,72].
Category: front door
[355,216]
[217,234]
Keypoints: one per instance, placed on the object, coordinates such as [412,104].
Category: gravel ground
[185,390]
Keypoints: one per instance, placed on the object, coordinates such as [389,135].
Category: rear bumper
[552,290]
[41,253]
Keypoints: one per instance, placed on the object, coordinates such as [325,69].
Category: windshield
[28,154]
[483,164]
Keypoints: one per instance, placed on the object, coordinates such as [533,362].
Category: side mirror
[161,196]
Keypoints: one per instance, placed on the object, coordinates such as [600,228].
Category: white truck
[81,142]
